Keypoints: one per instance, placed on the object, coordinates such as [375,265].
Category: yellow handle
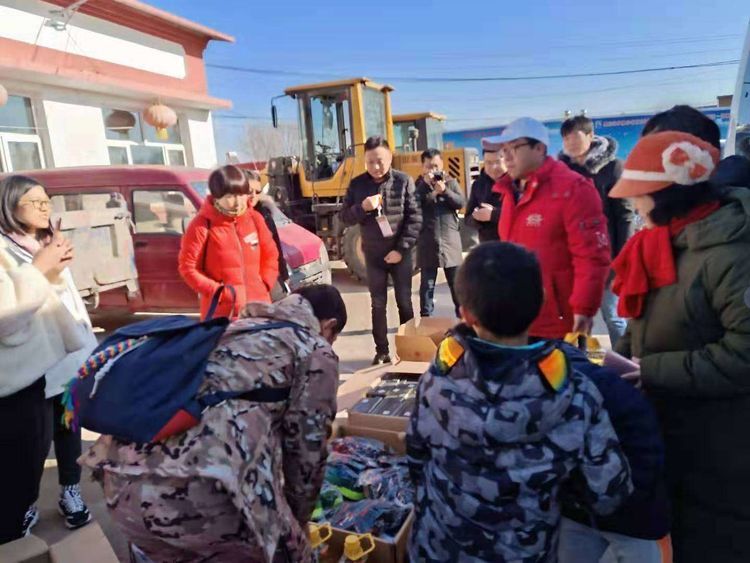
[369,538]
[319,534]
[353,550]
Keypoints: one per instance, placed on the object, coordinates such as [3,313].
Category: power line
[433,79]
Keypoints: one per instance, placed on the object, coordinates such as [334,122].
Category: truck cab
[417,132]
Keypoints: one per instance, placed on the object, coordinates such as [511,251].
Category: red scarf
[646,261]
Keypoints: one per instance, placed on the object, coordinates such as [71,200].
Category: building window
[20,145]
[132,141]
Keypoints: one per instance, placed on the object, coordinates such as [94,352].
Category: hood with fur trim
[603,151]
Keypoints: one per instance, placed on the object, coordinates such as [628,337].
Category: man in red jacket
[557,213]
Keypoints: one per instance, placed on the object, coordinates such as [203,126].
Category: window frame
[5,138]
[162,189]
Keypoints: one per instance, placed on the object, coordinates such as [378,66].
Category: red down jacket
[559,217]
[238,251]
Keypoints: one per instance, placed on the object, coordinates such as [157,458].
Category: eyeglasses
[38,204]
[511,149]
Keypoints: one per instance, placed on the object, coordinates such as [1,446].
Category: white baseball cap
[521,128]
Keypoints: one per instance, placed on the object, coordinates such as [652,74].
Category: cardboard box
[353,389]
[378,421]
[394,439]
[30,549]
[417,340]
[87,545]
[385,551]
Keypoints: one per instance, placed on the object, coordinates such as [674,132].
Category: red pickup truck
[161,201]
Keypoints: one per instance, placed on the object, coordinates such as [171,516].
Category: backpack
[141,383]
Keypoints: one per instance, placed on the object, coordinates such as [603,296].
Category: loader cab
[417,132]
[335,120]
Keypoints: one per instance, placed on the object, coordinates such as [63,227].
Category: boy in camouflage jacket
[501,423]
[241,485]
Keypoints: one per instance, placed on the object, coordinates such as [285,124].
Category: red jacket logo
[534,220]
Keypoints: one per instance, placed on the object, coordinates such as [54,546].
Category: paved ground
[354,347]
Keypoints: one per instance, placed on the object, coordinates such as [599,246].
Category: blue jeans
[581,544]
[615,325]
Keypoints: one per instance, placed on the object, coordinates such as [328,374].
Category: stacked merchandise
[366,490]
[393,397]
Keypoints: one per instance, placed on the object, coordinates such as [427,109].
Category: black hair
[375,142]
[501,284]
[485,151]
[677,201]
[685,119]
[577,123]
[326,302]
[228,180]
[533,143]
[12,189]
[429,154]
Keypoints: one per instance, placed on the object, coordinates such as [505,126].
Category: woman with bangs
[228,243]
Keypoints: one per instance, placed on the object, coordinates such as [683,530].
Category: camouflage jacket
[269,457]
[495,432]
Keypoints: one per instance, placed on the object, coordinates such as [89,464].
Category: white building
[80,79]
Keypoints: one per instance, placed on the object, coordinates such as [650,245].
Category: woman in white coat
[44,331]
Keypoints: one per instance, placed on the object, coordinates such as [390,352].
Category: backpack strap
[262,394]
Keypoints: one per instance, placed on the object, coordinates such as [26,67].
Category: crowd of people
[520,448]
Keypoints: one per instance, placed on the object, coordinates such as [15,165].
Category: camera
[438,176]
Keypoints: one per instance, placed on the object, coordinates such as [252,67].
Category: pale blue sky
[467,39]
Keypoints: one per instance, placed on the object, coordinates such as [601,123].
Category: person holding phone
[45,334]
[383,202]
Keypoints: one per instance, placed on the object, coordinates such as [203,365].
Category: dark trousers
[67,443]
[377,280]
[427,290]
[22,441]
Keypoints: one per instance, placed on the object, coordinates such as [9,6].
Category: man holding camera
[382,202]
[439,245]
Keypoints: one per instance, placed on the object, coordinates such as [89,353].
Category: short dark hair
[687,120]
[501,284]
[534,142]
[12,189]
[485,151]
[677,201]
[577,123]
[429,154]
[326,302]
[375,142]
[228,180]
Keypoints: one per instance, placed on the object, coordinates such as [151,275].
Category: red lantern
[3,96]
[162,117]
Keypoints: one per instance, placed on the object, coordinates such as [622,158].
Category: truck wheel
[354,256]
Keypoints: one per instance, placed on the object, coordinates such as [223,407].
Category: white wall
[24,21]
[76,134]
[200,145]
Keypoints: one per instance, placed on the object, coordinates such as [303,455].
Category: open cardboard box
[87,545]
[356,387]
[385,551]
[418,339]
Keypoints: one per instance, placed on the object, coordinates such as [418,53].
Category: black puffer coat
[399,206]
[440,241]
[481,192]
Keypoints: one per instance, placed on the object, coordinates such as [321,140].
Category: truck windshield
[374,102]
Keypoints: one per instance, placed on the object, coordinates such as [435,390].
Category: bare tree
[263,141]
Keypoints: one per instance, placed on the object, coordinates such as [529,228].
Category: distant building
[626,130]
[80,81]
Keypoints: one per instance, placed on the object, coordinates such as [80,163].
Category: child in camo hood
[500,423]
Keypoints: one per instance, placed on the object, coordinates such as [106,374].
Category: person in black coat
[382,202]
[483,207]
[632,530]
[595,158]
[439,245]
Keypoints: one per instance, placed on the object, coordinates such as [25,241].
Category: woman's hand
[53,258]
